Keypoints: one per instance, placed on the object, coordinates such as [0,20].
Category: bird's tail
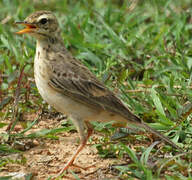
[133,118]
[167,140]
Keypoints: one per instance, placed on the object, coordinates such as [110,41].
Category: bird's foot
[84,168]
[66,167]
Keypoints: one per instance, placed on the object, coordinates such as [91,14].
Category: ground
[45,157]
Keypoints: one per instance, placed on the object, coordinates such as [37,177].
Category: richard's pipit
[67,85]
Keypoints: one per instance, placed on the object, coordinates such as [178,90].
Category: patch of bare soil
[46,157]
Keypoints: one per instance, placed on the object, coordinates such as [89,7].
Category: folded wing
[75,80]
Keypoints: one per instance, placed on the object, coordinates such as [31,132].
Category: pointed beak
[28,27]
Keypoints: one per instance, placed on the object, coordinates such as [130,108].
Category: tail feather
[133,118]
[166,139]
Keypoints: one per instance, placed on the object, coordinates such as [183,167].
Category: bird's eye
[43,21]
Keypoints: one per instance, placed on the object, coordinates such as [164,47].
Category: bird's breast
[63,103]
[59,101]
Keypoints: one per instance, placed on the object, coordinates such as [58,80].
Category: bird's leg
[80,129]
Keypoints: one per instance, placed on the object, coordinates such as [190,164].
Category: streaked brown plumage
[69,86]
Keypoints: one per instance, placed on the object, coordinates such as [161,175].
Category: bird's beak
[28,27]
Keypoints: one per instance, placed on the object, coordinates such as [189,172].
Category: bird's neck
[50,42]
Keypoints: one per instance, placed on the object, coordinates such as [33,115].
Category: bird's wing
[73,79]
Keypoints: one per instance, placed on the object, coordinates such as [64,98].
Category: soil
[46,157]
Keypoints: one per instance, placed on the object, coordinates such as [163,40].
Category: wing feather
[80,84]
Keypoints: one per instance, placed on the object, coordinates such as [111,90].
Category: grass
[142,50]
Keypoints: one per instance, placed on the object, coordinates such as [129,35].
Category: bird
[70,87]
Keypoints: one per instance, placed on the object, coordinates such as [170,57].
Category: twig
[15,106]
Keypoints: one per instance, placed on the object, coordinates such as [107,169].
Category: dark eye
[43,21]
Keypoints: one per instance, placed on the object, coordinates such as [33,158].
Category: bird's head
[40,24]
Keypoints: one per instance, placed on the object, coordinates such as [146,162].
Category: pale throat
[49,43]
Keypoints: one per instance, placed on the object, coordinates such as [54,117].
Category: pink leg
[70,162]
